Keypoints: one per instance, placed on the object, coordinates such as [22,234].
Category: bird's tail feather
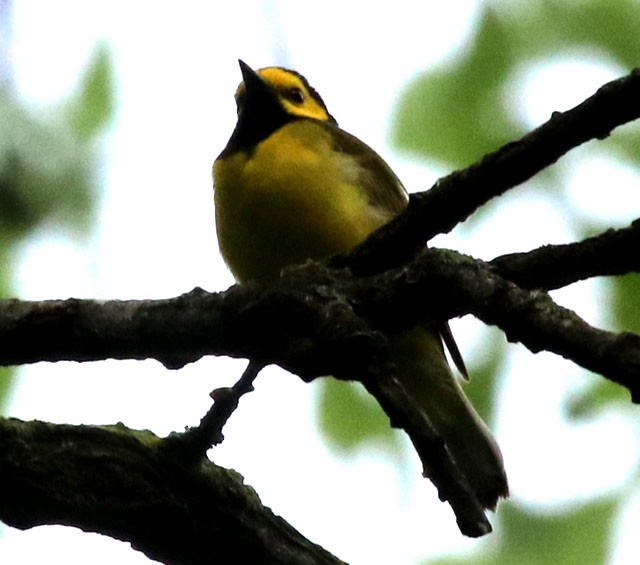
[424,372]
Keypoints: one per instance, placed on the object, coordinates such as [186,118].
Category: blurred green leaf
[604,27]
[458,113]
[482,387]
[45,183]
[624,312]
[6,373]
[580,535]
[626,142]
[598,396]
[47,165]
[625,302]
[455,114]
[45,173]
[349,418]
[92,106]
[577,536]
[6,380]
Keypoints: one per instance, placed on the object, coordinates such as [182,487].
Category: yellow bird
[291,186]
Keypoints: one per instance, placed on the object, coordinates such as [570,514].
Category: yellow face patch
[294,93]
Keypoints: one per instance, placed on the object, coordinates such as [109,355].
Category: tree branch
[293,323]
[320,319]
[194,442]
[311,301]
[614,252]
[454,198]
[183,514]
[466,285]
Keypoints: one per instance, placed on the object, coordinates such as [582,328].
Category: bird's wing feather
[382,186]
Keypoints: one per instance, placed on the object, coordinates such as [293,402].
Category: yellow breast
[293,198]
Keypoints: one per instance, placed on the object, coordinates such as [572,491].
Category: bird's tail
[424,372]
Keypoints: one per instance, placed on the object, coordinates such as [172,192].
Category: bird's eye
[295,95]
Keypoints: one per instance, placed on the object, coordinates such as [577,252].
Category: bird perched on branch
[291,186]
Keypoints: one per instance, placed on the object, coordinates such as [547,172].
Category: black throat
[260,114]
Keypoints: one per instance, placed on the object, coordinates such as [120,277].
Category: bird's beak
[249,76]
[260,99]
[254,85]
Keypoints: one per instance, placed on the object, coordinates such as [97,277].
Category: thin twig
[194,442]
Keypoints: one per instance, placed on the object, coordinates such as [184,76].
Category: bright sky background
[176,74]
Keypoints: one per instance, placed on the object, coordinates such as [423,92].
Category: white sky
[176,73]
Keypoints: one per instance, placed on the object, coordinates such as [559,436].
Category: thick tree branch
[311,301]
[465,285]
[320,321]
[279,324]
[183,514]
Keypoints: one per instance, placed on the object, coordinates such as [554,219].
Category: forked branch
[331,319]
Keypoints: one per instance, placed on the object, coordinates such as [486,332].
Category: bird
[292,186]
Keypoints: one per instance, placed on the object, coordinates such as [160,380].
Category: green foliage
[625,303]
[93,105]
[461,111]
[44,174]
[481,389]
[47,163]
[624,314]
[351,418]
[453,115]
[600,394]
[575,536]
[6,379]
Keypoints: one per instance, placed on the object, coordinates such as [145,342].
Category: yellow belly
[290,200]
